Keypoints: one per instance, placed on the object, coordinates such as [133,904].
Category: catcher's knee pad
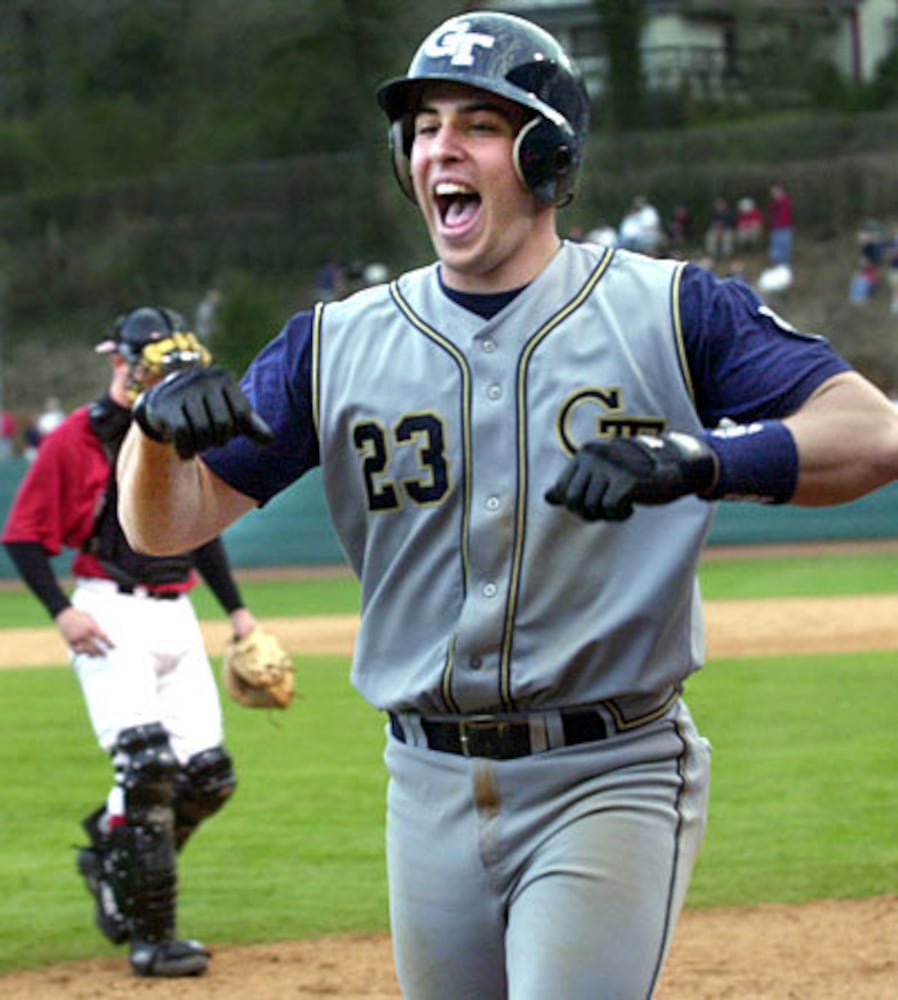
[145,765]
[202,787]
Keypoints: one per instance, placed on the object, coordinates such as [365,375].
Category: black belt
[142,588]
[500,739]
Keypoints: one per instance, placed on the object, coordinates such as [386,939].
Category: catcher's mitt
[257,671]
[173,353]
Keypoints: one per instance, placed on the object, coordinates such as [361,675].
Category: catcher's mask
[134,330]
[509,56]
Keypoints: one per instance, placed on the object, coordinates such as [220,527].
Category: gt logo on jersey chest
[591,413]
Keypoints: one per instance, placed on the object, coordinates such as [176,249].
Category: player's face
[489,231]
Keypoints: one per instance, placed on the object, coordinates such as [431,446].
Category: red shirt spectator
[779,208]
[781,223]
[749,224]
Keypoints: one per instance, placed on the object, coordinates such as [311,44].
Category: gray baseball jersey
[440,433]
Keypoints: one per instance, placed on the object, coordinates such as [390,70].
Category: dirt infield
[820,951]
[735,628]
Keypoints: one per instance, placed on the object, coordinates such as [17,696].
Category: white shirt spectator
[50,418]
[604,234]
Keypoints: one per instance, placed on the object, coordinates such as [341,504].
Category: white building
[704,45]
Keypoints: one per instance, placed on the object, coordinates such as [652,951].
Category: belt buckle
[482,736]
[472,724]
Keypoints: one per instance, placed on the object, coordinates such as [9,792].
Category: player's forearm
[168,505]
[214,566]
[35,568]
[847,440]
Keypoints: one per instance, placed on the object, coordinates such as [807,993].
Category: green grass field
[804,800]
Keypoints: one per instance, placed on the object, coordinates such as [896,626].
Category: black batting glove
[607,476]
[197,409]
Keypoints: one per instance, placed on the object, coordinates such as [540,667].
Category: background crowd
[732,229]
[754,242]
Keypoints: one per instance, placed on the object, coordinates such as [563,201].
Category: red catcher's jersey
[58,500]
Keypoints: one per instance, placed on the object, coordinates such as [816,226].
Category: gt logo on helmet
[515,59]
[456,40]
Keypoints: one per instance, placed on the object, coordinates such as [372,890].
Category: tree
[621,23]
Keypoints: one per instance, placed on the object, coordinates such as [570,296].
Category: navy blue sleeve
[746,362]
[278,385]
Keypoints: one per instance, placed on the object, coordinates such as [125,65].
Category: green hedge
[283,218]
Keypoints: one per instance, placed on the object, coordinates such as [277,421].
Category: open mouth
[457,204]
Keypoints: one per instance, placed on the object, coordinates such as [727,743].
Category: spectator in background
[30,440]
[651,232]
[352,277]
[890,261]
[641,228]
[781,225]
[604,234]
[43,424]
[49,418]
[206,317]
[720,236]
[864,280]
[630,229]
[375,273]
[680,229]
[329,286]
[749,225]
[871,241]
[8,431]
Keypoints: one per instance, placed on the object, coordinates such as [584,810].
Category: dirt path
[735,628]
[820,951]
[817,951]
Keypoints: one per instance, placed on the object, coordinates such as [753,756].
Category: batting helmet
[135,329]
[509,56]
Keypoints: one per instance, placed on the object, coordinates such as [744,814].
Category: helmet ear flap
[400,138]
[546,158]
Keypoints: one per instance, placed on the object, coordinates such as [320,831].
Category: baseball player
[137,649]
[519,445]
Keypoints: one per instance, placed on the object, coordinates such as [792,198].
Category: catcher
[138,652]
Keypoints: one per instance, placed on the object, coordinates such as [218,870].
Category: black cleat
[169,958]
[109,918]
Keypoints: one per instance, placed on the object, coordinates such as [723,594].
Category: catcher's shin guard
[146,770]
[202,787]
[155,949]
[103,865]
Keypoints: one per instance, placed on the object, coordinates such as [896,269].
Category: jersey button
[489,346]
[476,662]
[493,503]
[495,392]
[489,590]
